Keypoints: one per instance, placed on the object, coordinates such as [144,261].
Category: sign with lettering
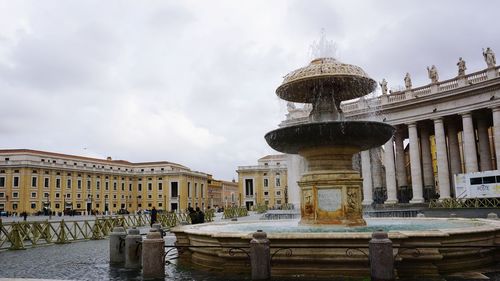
[329,199]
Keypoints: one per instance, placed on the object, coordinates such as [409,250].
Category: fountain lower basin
[428,248]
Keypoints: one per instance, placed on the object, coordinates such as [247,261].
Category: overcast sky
[193,82]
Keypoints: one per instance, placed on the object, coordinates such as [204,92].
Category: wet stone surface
[87,260]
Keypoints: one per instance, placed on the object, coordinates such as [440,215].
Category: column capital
[438,120]
[412,124]
[466,114]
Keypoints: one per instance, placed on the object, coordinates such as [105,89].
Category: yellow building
[223,193]
[265,183]
[34,181]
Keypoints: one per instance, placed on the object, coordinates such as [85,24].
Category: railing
[442,86]
[20,235]
[234,212]
[461,203]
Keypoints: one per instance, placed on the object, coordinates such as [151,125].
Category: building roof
[75,157]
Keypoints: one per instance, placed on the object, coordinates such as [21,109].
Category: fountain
[330,189]
[331,238]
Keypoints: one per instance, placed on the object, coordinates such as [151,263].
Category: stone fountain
[330,189]
[331,239]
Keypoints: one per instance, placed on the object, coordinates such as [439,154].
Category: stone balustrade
[414,93]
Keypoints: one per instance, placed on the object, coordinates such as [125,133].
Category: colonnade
[474,153]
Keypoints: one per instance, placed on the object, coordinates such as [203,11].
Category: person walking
[154,214]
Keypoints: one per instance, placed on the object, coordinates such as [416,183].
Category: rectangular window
[249,187]
[33,181]
[201,189]
[15,194]
[150,186]
[33,194]
[123,186]
[46,195]
[278,202]
[487,180]
[79,184]
[129,187]
[58,183]
[174,189]
[278,193]
[189,189]
[150,196]
[266,193]
[106,185]
[160,186]
[58,205]
[139,187]
[195,190]
[114,185]
[2,181]
[88,185]
[475,181]
[16,182]
[78,195]
[2,195]
[57,195]
[33,205]
[68,185]
[98,185]
[266,182]
[46,182]
[278,182]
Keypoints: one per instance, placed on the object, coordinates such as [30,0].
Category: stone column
[390,173]
[484,144]
[377,167]
[496,134]
[455,161]
[367,178]
[426,158]
[400,160]
[469,143]
[416,171]
[442,159]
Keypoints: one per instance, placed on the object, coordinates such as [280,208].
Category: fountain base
[331,189]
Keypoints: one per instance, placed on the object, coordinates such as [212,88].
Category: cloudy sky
[193,82]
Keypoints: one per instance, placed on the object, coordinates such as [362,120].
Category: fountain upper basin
[361,134]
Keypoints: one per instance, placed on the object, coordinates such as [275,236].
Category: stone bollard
[153,255]
[133,246]
[117,245]
[158,227]
[420,215]
[492,216]
[260,256]
[381,257]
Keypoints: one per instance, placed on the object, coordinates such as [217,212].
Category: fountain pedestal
[331,189]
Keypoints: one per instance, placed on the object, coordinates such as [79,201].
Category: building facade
[443,128]
[223,194]
[35,181]
[265,183]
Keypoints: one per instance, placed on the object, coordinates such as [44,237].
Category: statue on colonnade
[433,74]
[461,67]
[408,81]
[489,57]
[383,85]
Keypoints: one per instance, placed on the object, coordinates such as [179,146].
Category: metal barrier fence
[234,212]
[465,203]
[21,235]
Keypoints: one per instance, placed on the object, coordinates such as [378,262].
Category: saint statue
[461,67]
[489,57]
[433,74]
[408,81]
[383,85]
